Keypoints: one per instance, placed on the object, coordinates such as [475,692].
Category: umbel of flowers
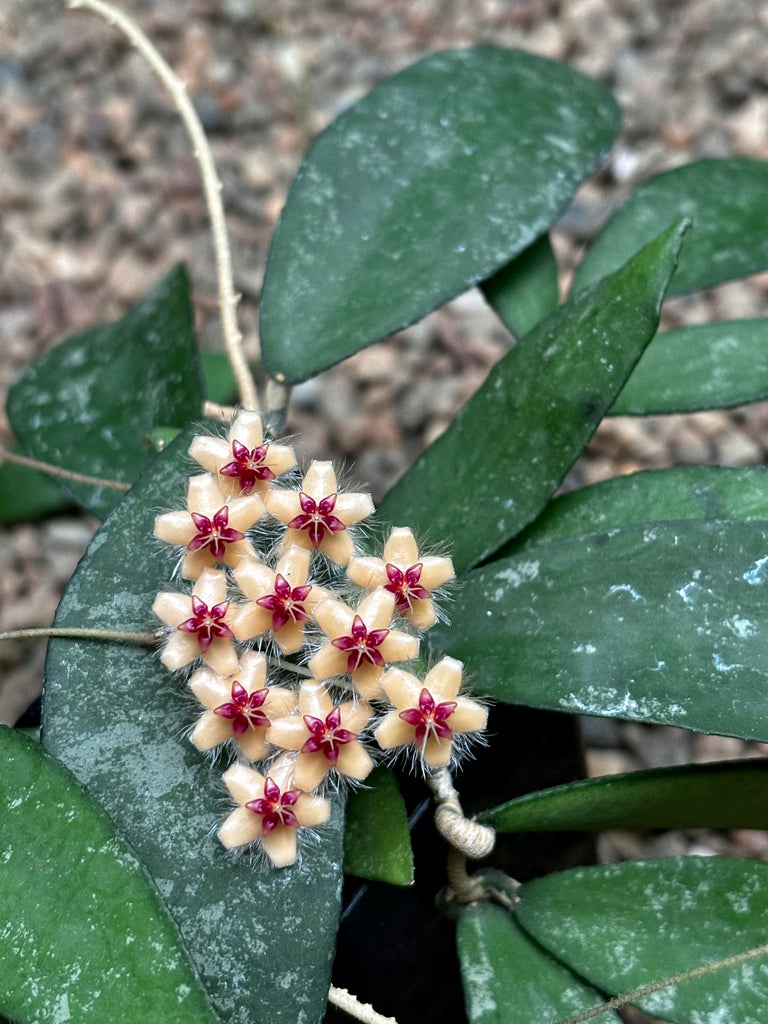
[294,681]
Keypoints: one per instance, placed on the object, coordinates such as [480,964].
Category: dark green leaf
[510,446]
[83,934]
[89,404]
[662,622]
[262,939]
[627,925]
[220,383]
[378,842]
[654,495]
[523,292]
[432,182]
[507,977]
[707,366]
[26,494]
[725,199]
[729,794]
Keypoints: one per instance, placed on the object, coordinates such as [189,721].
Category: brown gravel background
[99,197]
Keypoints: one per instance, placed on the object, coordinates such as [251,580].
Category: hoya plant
[258,684]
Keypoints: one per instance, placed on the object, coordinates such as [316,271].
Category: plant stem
[211,186]
[65,474]
[84,633]
[656,986]
[360,1011]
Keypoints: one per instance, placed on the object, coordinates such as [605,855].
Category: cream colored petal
[249,620]
[195,563]
[181,649]
[221,657]
[444,680]
[377,608]
[314,597]
[310,770]
[367,680]
[402,688]
[355,715]
[399,646]
[312,810]
[314,700]
[283,505]
[254,578]
[246,428]
[280,458]
[290,637]
[334,617]
[393,732]
[245,511]
[204,495]
[240,828]
[401,548]
[339,547]
[367,572]
[211,690]
[294,566]
[435,571]
[328,662]
[422,614]
[235,553]
[290,733]
[352,508]
[210,452]
[281,772]
[280,846]
[211,587]
[243,783]
[320,480]
[436,752]
[468,716]
[296,538]
[253,671]
[210,731]
[172,608]
[280,702]
[175,528]
[253,743]
[354,761]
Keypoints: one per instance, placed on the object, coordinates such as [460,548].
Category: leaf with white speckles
[660,622]
[725,199]
[262,939]
[507,977]
[83,935]
[426,186]
[90,403]
[509,448]
[623,926]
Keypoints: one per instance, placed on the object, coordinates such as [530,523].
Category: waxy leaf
[83,934]
[27,494]
[662,622]
[707,366]
[653,495]
[508,977]
[727,794]
[725,199]
[623,926]
[90,403]
[523,292]
[504,455]
[262,939]
[377,840]
[432,182]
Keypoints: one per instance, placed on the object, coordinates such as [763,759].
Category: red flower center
[243,709]
[214,533]
[430,718]
[207,622]
[317,518]
[362,645]
[248,466]
[285,603]
[275,807]
[405,586]
[327,736]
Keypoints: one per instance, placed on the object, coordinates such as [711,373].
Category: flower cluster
[256,604]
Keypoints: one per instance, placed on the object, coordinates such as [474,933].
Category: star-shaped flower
[271,810]
[318,515]
[410,577]
[428,714]
[361,642]
[240,707]
[279,600]
[245,463]
[212,529]
[325,736]
[202,625]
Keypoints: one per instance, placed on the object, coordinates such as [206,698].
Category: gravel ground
[99,197]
